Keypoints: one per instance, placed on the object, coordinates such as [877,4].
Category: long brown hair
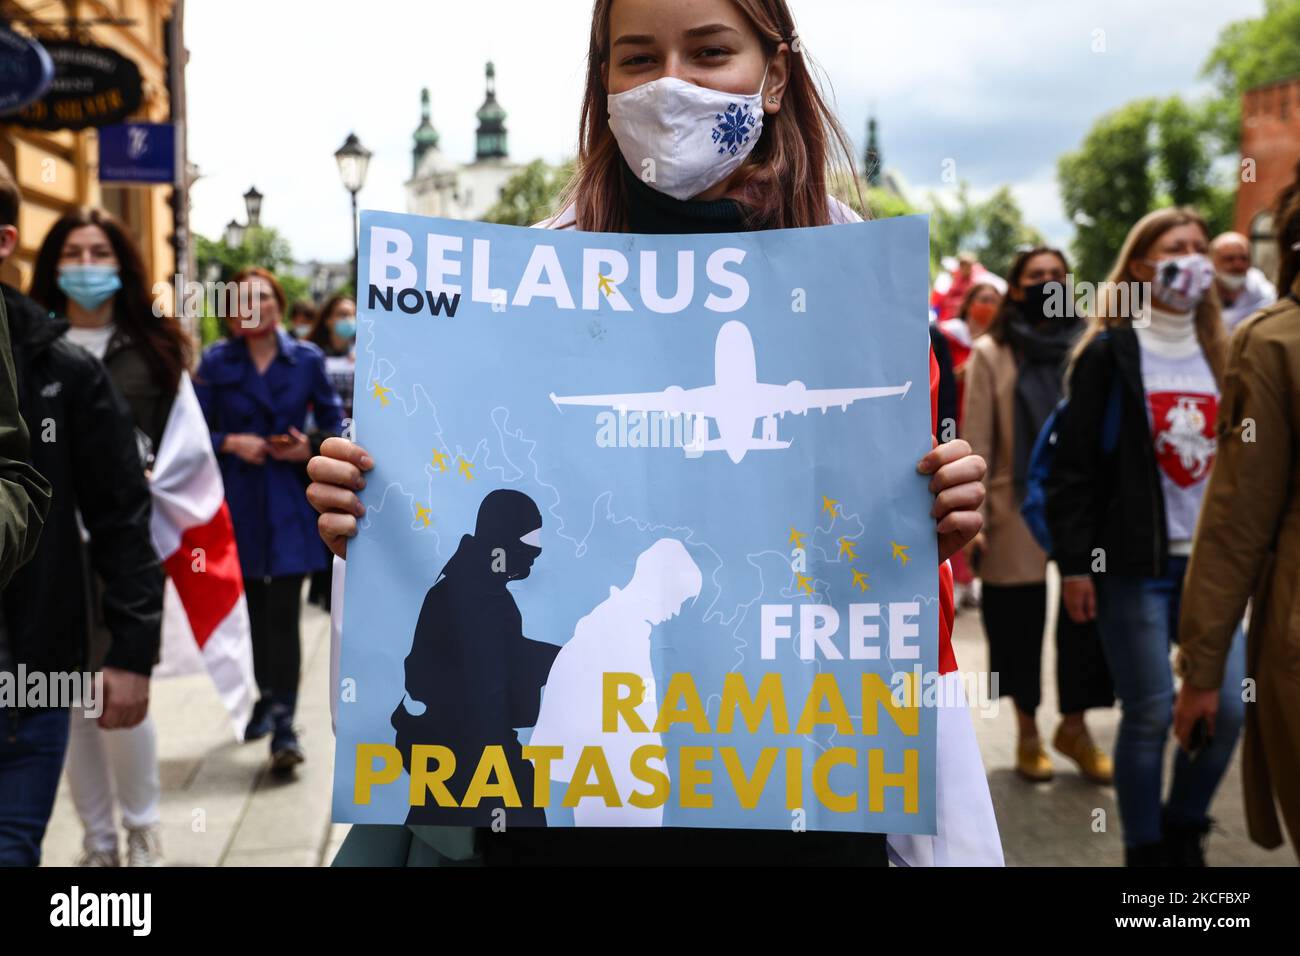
[784,182]
[1108,313]
[162,343]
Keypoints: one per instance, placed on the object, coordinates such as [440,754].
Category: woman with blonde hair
[1148,370]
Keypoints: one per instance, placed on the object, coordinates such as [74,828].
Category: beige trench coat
[1248,543]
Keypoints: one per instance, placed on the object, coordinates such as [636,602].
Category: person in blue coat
[257,388]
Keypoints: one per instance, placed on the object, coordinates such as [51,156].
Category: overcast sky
[1002,87]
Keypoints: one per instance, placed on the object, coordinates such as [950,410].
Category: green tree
[1253,53]
[529,195]
[993,229]
[1004,231]
[261,246]
[1145,155]
[869,202]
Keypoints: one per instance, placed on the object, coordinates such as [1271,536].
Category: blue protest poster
[645,543]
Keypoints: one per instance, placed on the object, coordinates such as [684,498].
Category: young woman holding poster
[659,71]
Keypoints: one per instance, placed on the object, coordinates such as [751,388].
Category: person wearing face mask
[974,316]
[302,320]
[257,389]
[336,331]
[1243,289]
[1012,383]
[90,270]
[98,520]
[701,116]
[1122,520]
[1248,545]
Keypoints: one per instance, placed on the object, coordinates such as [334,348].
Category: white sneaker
[99,858]
[144,847]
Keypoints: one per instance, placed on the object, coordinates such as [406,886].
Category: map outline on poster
[645,544]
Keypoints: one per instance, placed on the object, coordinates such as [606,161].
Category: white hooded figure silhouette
[615,637]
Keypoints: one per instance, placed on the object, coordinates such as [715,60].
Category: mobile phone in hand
[1200,738]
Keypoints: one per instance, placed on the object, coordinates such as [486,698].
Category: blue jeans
[32,744]
[1138,621]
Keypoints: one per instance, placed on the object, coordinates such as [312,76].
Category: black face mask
[1034,305]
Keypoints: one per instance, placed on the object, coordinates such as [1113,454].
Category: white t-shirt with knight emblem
[1182,404]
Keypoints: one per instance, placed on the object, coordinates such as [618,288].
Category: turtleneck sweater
[651,212]
[1169,334]
[1182,404]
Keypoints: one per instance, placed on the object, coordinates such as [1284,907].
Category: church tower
[871,163]
[491,138]
[426,137]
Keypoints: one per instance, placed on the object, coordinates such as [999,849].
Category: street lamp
[234,234]
[353,158]
[253,204]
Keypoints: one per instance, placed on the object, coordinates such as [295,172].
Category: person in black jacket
[84,444]
[1122,517]
[24,494]
[89,270]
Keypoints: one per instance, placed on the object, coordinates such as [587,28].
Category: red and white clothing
[1182,404]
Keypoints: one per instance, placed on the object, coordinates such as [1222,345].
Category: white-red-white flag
[205,616]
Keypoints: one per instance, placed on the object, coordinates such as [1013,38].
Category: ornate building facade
[58,170]
[440,186]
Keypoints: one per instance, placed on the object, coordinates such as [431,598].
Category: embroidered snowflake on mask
[733,129]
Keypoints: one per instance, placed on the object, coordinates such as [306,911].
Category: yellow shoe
[1092,760]
[1032,762]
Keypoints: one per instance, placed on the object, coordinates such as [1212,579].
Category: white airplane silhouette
[736,401]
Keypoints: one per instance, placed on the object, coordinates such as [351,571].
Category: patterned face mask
[1183,281]
[683,139]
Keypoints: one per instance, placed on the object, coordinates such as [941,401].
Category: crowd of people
[1161,509]
[97,369]
[1160,454]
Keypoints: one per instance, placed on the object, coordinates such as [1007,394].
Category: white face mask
[683,139]
[1231,280]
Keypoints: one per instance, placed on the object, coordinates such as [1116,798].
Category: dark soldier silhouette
[470,666]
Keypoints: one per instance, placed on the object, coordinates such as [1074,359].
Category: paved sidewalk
[1070,821]
[221,808]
